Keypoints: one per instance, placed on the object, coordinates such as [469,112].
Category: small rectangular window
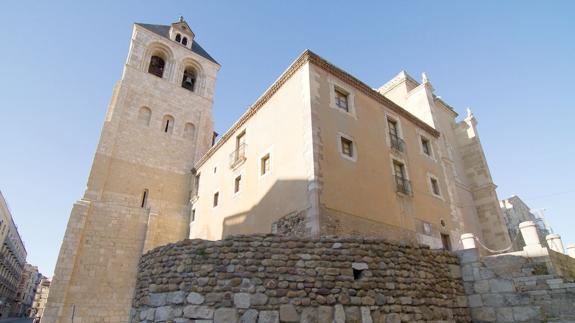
[216,197]
[341,100]
[445,241]
[237,184]
[144,199]
[426,146]
[347,147]
[393,130]
[193,215]
[197,185]
[435,186]
[265,164]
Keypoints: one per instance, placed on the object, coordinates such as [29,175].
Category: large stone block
[195,298]
[226,315]
[175,297]
[486,314]
[288,313]
[504,314]
[501,285]
[325,314]
[339,314]
[526,313]
[309,315]
[242,300]
[164,313]
[269,317]
[198,312]
[249,316]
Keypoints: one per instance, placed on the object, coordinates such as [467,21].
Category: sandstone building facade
[320,153]
[158,124]
[339,158]
[12,260]
[27,288]
[40,298]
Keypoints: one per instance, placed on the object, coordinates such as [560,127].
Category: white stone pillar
[554,242]
[529,233]
[571,250]
[468,241]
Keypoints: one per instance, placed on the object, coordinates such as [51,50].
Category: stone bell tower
[159,122]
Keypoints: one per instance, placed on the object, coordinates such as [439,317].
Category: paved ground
[16,320]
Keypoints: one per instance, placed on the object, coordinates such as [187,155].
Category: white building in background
[516,211]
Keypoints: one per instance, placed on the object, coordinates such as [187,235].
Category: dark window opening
[357,274]
[265,164]
[426,145]
[347,147]
[197,184]
[178,38]
[193,216]
[189,80]
[435,186]
[185,41]
[445,241]
[216,197]
[237,184]
[157,65]
[144,198]
[341,100]
[168,124]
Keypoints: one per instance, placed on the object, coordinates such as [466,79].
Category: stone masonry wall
[512,288]
[268,278]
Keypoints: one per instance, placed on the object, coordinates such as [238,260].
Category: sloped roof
[164,31]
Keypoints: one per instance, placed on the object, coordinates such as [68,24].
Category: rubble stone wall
[268,278]
[513,288]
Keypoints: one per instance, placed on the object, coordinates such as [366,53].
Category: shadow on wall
[283,198]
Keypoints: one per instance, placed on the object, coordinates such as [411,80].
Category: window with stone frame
[426,146]
[265,164]
[435,186]
[341,99]
[347,148]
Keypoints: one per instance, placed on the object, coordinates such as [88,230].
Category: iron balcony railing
[402,185]
[238,156]
[396,142]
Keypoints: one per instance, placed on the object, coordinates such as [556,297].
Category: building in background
[516,211]
[12,260]
[26,291]
[40,298]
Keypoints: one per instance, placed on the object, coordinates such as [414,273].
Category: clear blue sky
[513,62]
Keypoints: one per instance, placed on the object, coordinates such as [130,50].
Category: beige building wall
[12,260]
[139,151]
[359,195]
[279,129]
[312,189]
[470,186]
[40,298]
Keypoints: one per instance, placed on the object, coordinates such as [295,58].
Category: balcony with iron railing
[238,156]
[396,142]
[402,185]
